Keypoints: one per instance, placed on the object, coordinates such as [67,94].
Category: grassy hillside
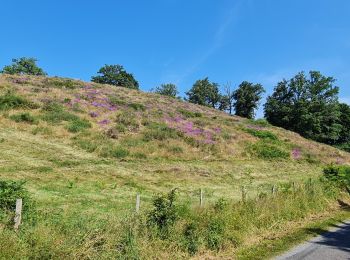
[86,149]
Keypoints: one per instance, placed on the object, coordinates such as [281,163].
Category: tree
[204,93]
[227,100]
[345,122]
[247,98]
[24,66]
[306,105]
[115,75]
[167,90]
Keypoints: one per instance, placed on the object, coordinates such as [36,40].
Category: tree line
[306,104]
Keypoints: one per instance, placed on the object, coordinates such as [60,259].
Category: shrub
[267,150]
[62,83]
[137,106]
[189,114]
[339,174]
[10,191]
[159,132]
[164,212]
[261,134]
[11,101]
[55,113]
[128,122]
[215,232]
[259,122]
[24,117]
[78,125]
[191,238]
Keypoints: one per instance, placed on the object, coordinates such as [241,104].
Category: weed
[24,117]
[78,125]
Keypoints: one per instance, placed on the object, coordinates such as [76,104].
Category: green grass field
[85,150]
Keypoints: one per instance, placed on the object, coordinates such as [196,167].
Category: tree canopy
[115,75]
[25,66]
[247,98]
[168,89]
[306,105]
[204,93]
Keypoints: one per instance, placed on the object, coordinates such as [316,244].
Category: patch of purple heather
[296,154]
[93,114]
[104,122]
[256,127]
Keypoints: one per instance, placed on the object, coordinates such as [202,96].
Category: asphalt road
[330,245]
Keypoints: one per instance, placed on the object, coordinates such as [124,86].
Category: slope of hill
[87,149]
[152,141]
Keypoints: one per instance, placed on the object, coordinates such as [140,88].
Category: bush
[78,125]
[62,83]
[159,132]
[137,106]
[11,101]
[129,122]
[261,134]
[339,174]
[10,191]
[259,122]
[55,113]
[191,238]
[24,117]
[215,232]
[189,114]
[267,150]
[164,212]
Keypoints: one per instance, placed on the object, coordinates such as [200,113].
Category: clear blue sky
[180,41]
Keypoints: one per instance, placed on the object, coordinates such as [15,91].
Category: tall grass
[169,229]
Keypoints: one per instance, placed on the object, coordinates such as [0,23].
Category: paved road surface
[331,245]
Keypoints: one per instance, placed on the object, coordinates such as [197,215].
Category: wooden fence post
[244,194]
[201,198]
[273,189]
[138,202]
[18,214]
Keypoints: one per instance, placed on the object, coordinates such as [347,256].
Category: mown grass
[85,180]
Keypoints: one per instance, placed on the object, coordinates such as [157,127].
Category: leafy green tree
[25,66]
[345,122]
[167,90]
[115,75]
[204,93]
[247,98]
[306,105]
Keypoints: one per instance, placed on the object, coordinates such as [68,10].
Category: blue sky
[180,41]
